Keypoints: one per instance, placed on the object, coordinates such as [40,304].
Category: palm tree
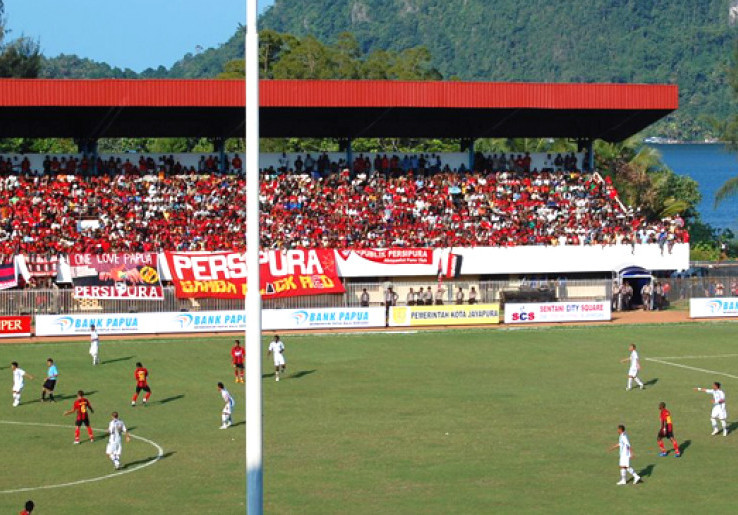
[727,190]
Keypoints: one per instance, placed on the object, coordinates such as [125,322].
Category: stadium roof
[306,108]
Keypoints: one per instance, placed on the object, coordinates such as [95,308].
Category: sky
[135,34]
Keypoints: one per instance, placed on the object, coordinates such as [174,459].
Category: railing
[62,301]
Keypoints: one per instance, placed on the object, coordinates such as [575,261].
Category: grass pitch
[474,421]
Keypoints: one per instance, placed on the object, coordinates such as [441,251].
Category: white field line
[697,357]
[159,450]
[713,372]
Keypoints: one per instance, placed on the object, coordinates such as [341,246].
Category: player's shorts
[82,422]
[93,351]
[633,372]
[279,360]
[49,384]
[665,434]
[239,366]
[720,412]
[18,388]
[114,448]
[625,461]
[144,388]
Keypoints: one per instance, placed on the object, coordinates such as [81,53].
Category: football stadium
[459,331]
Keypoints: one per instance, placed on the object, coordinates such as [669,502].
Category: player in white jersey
[94,345]
[276,349]
[719,411]
[635,367]
[626,453]
[225,415]
[115,443]
[19,376]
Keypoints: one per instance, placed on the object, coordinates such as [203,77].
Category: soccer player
[635,367]
[83,408]
[29,508]
[115,443]
[276,348]
[94,345]
[141,375]
[626,453]
[238,354]
[50,381]
[719,411]
[225,415]
[19,376]
[666,431]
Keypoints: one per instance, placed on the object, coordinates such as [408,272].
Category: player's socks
[76,435]
[639,382]
[43,396]
[676,446]
[146,397]
[623,476]
[630,383]
[90,433]
[51,397]
[661,446]
[715,429]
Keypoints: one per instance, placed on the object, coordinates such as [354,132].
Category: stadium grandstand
[88,203]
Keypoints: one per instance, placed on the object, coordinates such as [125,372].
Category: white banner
[713,307]
[326,318]
[557,312]
[207,321]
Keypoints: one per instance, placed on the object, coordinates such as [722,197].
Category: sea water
[710,165]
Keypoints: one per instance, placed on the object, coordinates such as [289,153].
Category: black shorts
[239,366]
[49,384]
[665,434]
[144,388]
[82,422]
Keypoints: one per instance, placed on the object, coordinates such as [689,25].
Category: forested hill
[684,42]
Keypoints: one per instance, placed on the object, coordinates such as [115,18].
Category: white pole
[254,463]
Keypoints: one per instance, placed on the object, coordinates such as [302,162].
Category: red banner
[7,276]
[116,276]
[396,256]
[15,326]
[222,275]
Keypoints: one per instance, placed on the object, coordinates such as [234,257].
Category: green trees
[19,58]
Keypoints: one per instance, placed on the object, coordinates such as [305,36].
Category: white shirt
[624,446]
[227,398]
[115,428]
[18,374]
[276,346]
[634,360]
[718,396]
[94,340]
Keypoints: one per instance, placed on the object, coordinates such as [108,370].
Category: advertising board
[547,312]
[409,316]
[713,307]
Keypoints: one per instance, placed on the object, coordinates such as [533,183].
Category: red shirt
[238,354]
[81,406]
[141,375]
[666,420]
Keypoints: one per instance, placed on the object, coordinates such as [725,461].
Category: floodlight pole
[254,462]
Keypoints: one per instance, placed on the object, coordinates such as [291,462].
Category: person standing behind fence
[390,299]
[459,297]
[472,295]
[410,299]
[428,297]
[646,296]
[364,299]
[439,295]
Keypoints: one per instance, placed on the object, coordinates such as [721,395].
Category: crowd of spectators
[153,206]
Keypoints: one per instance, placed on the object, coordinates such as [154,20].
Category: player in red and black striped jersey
[238,355]
[666,431]
[83,408]
[141,375]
